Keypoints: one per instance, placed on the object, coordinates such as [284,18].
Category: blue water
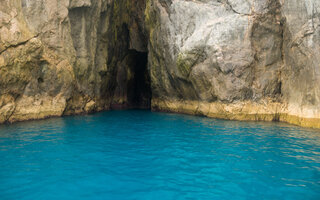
[144,155]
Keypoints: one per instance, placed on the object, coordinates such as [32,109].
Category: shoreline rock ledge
[232,59]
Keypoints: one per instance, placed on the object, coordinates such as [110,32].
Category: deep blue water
[144,155]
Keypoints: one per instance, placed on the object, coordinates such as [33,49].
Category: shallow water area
[139,154]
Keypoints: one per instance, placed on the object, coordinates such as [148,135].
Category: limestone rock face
[216,50]
[234,59]
[301,70]
[60,57]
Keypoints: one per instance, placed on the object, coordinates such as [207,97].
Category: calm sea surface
[157,156]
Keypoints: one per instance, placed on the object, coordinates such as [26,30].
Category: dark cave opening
[138,87]
[132,90]
[128,56]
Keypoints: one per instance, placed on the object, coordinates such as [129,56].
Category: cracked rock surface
[61,57]
[233,59]
[236,59]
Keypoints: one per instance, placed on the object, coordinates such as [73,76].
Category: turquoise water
[144,155]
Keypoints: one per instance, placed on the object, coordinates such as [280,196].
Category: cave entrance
[132,82]
[138,85]
[128,56]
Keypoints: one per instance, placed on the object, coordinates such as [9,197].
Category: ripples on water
[145,155]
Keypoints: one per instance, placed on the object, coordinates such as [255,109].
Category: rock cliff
[232,59]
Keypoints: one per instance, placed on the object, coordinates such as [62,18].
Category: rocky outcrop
[62,57]
[236,59]
[233,59]
[301,70]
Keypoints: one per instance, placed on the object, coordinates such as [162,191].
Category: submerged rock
[234,59]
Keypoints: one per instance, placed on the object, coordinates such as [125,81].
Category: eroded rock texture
[301,70]
[234,59]
[62,57]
